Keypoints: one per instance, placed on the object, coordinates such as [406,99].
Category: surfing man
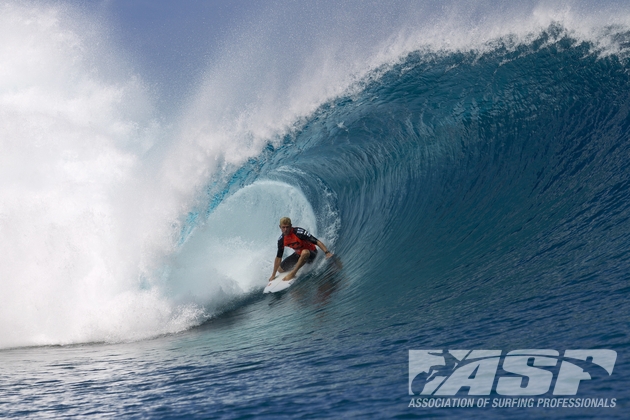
[302,242]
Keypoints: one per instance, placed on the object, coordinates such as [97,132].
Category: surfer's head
[285,225]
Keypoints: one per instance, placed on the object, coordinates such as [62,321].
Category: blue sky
[171,42]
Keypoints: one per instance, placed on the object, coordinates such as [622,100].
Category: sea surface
[476,197]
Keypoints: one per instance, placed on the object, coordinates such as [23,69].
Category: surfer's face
[286,229]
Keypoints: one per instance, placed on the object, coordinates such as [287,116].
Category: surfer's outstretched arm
[276,267]
[323,248]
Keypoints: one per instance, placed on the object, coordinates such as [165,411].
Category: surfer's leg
[301,261]
[288,263]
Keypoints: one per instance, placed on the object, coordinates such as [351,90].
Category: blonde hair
[285,221]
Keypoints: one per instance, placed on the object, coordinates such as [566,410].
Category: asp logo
[446,372]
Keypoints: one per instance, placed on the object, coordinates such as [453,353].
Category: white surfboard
[278,284]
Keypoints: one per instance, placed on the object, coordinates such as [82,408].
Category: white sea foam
[81,218]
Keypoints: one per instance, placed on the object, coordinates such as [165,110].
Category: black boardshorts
[290,261]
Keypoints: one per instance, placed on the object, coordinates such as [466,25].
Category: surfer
[302,242]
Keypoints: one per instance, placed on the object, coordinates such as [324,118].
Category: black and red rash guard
[299,240]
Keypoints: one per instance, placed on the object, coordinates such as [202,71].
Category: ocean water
[472,181]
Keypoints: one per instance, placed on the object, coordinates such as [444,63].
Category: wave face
[500,171]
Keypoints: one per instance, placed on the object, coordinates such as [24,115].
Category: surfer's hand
[328,254]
